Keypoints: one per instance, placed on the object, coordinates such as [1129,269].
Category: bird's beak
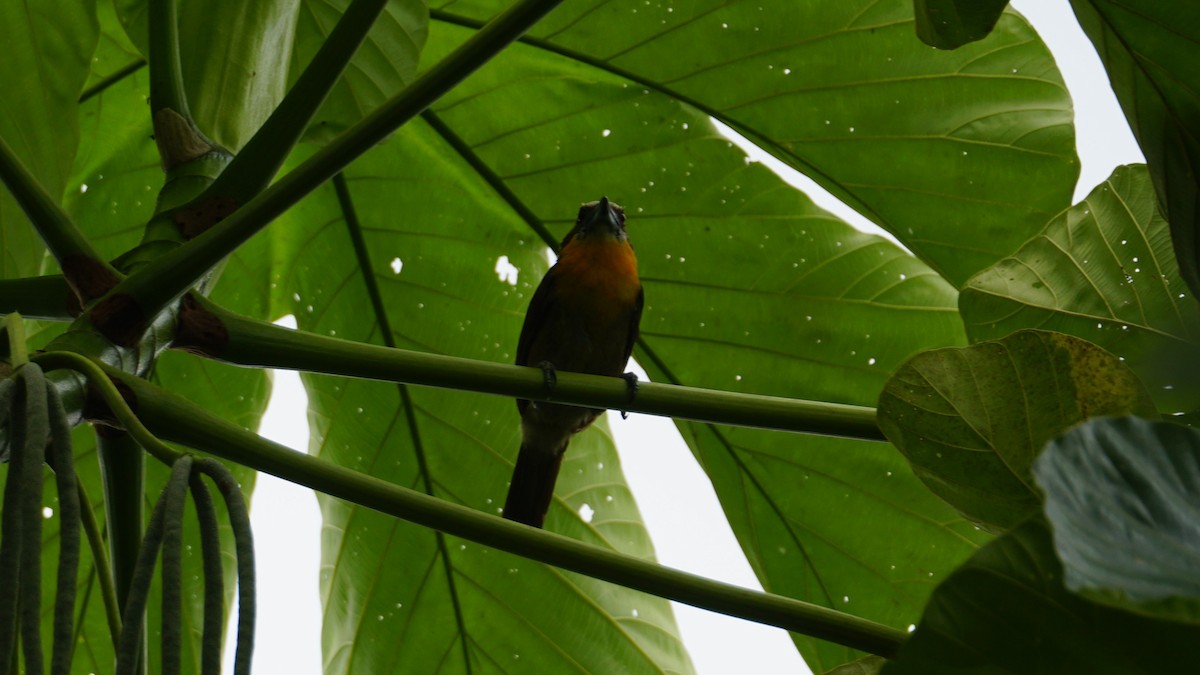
[603,218]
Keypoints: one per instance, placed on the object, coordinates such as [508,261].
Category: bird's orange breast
[601,274]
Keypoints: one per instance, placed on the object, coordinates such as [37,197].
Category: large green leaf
[1150,50]
[240,58]
[47,54]
[235,58]
[1102,271]
[748,287]
[1121,495]
[846,93]
[398,597]
[1006,613]
[972,420]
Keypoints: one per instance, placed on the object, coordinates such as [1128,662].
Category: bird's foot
[631,387]
[549,376]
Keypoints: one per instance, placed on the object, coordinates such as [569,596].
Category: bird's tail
[532,485]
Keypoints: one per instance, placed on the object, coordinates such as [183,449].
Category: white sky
[695,537]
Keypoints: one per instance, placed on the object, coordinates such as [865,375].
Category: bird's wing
[540,307]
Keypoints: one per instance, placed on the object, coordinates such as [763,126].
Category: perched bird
[582,318]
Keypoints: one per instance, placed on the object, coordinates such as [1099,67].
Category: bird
[582,318]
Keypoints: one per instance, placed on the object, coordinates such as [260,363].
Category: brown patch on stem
[178,140]
[195,219]
[89,278]
[121,319]
[199,331]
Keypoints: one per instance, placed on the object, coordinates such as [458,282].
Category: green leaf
[384,64]
[397,596]
[1006,612]
[1102,271]
[47,54]
[1121,496]
[1150,50]
[950,24]
[237,56]
[972,420]
[748,287]
[116,176]
[844,92]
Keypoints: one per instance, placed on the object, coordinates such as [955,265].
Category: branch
[178,420]
[47,297]
[243,341]
[89,274]
[153,287]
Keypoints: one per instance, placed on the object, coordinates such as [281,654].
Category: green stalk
[47,297]
[18,351]
[252,170]
[131,653]
[180,421]
[157,284]
[258,343]
[108,589]
[89,274]
[123,470]
[166,72]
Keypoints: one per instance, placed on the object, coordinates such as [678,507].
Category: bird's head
[599,221]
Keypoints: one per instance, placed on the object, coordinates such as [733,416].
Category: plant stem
[123,471]
[178,420]
[169,276]
[108,589]
[166,72]
[258,343]
[14,328]
[47,297]
[88,273]
[254,167]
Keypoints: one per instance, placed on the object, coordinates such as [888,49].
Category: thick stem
[258,343]
[89,274]
[123,471]
[47,297]
[166,72]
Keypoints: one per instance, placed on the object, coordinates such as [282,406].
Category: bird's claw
[631,387]
[549,376]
